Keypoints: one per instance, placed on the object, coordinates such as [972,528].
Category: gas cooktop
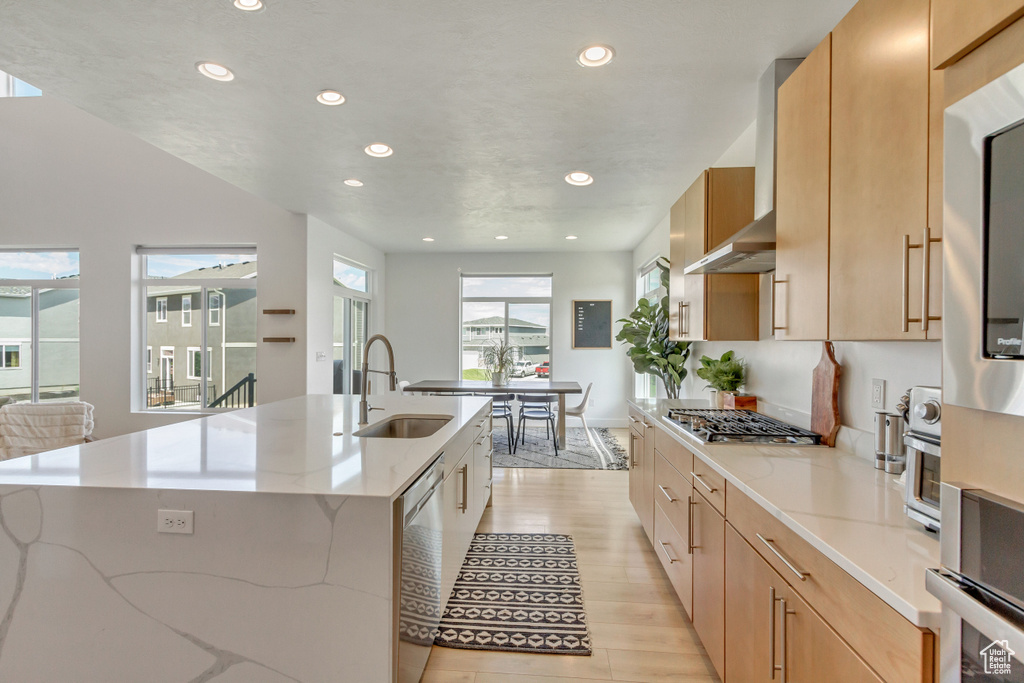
[740,426]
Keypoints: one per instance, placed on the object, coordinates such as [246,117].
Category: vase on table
[497,379]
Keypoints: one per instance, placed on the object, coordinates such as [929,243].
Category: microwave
[983,239]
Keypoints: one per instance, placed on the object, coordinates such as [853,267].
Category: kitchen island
[289,574]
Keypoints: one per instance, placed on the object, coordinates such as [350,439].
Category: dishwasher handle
[417,495]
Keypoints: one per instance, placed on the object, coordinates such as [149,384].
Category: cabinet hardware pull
[776,283]
[771,632]
[697,478]
[667,494]
[632,419]
[783,641]
[465,488]
[665,547]
[682,332]
[926,276]
[802,575]
[632,450]
[689,525]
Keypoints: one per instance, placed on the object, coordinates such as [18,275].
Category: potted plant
[645,331]
[724,375]
[499,357]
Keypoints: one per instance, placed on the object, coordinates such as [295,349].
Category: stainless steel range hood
[752,249]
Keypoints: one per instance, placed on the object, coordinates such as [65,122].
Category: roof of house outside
[226,270]
[500,320]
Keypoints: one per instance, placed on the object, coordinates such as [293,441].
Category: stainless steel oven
[922,441]
[983,219]
[981,586]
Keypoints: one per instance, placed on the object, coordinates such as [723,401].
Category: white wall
[423,316]
[68,179]
[322,243]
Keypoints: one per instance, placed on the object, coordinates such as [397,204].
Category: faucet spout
[364,406]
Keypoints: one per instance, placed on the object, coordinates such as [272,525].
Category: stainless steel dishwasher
[420,577]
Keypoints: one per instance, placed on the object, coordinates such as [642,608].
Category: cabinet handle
[632,450]
[771,633]
[665,547]
[926,277]
[667,494]
[783,641]
[684,332]
[689,525]
[465,489]
[802,575]
[776,283]
[697,478]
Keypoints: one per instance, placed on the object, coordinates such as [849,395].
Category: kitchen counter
[299,445]
[836,501]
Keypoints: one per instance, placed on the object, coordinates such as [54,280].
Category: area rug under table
[518,593]
[537,450]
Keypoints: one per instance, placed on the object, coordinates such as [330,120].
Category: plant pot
[720,397]
[497,379]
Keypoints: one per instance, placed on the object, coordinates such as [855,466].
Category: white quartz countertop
[282,447]
[836,501]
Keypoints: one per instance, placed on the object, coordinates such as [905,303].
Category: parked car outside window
[543,370]
[522,368]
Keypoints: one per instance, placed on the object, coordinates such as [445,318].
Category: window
[149,359]
[214,309]
[512,308]
[649,286]
[221,285]
[352,297]
[13,87]
[39,311]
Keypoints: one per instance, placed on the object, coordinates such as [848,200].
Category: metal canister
[880,439]
[895,452]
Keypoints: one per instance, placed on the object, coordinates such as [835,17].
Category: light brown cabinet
[772,633]
[641,470]
[672,517]
[718,307]
[709,578]
[959,26]
[800,290]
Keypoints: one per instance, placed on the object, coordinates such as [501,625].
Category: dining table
[472,386]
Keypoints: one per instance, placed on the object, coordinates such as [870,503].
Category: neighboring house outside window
[149,359]
[512,308]
[39,326]
[216,294]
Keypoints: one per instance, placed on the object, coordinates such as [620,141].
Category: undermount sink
[405,427]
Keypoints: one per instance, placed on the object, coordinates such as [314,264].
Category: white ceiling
[483,102]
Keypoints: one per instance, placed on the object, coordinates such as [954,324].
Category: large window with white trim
[197,299]
[511,308]
[649,286]
[39,337]
[352,297]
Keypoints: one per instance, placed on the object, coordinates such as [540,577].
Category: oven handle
[970,610]
[921,445]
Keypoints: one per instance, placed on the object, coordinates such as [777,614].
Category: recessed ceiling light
[379,149]
[579,178]
[428,239]
[501,237]
[595,55]
[571,237]
[215,71]
[330,97]
[249,5]
[352,182]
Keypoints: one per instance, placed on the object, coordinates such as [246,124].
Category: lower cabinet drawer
[671,491]
[673,550]
[894,647]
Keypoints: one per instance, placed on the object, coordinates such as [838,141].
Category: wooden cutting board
[825,396]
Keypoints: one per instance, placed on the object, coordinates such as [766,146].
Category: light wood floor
[638,628]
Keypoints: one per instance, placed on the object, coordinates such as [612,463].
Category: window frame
[205,287]
[350,297]
[215,309]
[509,301]
[186,321]
[646,385]
[161,311]
[35,286]
[3,355]
[149,359]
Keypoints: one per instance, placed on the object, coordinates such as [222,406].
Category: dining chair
[537,407]
[501,409]
[580,412]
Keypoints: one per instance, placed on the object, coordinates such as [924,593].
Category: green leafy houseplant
[645,331]
[500,357]
[722,374]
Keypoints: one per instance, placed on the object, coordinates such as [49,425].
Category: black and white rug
[536,450]
[518,593]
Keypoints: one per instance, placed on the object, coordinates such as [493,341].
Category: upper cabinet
[958,26]
[719,307]
[859,182]
[800,289]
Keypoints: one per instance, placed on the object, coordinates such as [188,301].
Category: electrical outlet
[321,355]
[878,394]
[174,521]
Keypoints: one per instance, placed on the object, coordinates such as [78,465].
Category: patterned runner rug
[518,593]
[537,450]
